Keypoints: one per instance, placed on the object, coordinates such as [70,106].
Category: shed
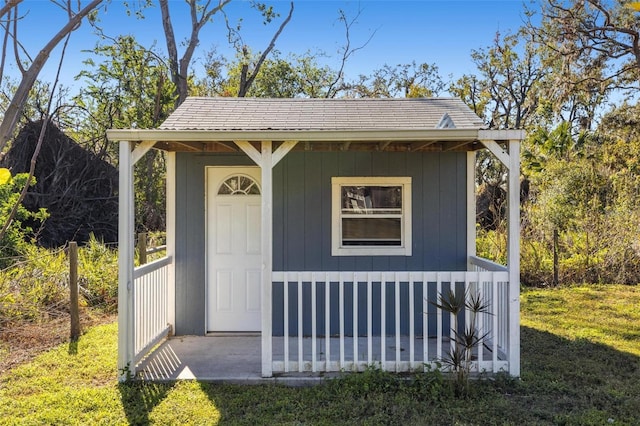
[328,226]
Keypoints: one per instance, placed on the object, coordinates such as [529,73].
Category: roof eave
[396,135]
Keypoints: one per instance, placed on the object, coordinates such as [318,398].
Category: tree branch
[179,68]
[332,90]
[10,4]
[5,42]
[16,106]
[245,82]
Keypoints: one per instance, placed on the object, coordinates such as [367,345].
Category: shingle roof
[202,113]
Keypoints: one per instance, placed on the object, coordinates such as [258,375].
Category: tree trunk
[16,106]
[179,68]
[246,80]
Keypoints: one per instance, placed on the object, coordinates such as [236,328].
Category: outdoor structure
[329,226]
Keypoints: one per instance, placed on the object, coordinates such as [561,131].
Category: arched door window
[239,185]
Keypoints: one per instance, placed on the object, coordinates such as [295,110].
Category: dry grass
[23,342]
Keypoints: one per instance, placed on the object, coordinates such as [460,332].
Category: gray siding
[302,240]
[302,223]
[302,198]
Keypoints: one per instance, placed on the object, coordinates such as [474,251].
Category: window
[239,185]
[371,216]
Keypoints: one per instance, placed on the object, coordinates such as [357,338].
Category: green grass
[606,314]
[580,366]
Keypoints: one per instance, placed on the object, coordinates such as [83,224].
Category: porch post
[471,207]
[267,264]
[171,237]
[125,262]
[513,257]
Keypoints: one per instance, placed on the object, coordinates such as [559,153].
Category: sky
[437,32]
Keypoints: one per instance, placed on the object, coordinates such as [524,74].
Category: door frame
[207,195]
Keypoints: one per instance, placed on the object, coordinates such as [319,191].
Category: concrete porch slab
[216,359]
[236,358]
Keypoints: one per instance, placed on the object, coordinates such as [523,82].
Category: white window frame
[337,249]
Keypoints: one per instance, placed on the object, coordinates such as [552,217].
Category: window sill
[371,251]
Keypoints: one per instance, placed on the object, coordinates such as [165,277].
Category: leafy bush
[98,274]
[14,242]
[37,287]
[34,288]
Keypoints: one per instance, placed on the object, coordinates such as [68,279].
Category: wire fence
[36,287]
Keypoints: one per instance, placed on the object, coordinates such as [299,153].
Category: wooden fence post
[142,248]
[73,289]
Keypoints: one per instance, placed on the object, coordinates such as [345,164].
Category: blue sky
[437,32]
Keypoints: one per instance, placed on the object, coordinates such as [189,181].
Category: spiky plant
[459,360]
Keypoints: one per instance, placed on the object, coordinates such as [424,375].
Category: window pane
[239,185]
[371,199]
[371,232]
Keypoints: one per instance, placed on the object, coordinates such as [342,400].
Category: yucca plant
[460,357]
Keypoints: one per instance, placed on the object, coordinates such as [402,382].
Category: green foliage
[303,76]
[492,245]
[98,274]
[15,240]
[472,91]
[36,288]
[278,77]
[410,80]
[506,90]
[584,188]
[130,88]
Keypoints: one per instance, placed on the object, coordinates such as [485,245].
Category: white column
[471,206]
[267,255]
[171,236]
[513,257]
[125,262]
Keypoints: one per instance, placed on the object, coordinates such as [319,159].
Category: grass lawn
[580,365]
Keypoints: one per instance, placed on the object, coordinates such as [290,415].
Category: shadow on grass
[139,398]
[577,381]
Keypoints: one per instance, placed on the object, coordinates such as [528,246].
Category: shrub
[33,288]
[98,274]
[15,239]
[36,287]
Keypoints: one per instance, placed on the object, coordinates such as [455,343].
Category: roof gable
[226,114]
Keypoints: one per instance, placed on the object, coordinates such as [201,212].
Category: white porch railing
[335,321]
[150,306]
[499,301]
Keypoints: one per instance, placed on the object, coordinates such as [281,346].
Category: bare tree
[30,73]
[247,77]
[346,52]
[200,15]
[8,10]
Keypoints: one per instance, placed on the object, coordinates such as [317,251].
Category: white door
[233,248]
